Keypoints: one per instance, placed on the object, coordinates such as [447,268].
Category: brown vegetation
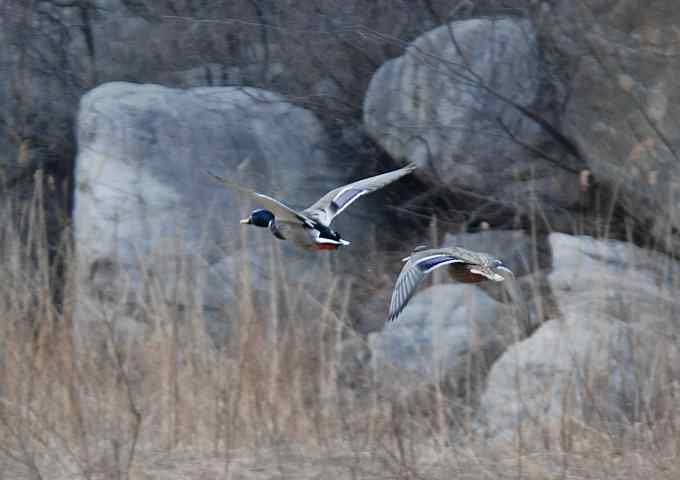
[268,404]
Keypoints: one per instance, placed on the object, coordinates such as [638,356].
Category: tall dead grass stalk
[269,398]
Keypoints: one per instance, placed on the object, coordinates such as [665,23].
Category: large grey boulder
[151,226]
[449,334]
[624,102]
[446,105]
[605,361]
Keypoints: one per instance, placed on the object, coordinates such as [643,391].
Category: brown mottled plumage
[465,266]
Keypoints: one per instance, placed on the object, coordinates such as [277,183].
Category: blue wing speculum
[427,264]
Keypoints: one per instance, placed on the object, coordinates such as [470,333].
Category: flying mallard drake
[465,266]
[310,228]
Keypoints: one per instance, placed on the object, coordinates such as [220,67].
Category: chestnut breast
[460,272]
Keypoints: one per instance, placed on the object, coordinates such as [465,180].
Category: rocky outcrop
[448,104]
[608,358]
[150,225]
[623,103]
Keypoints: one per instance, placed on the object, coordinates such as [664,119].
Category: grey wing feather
[413,274]
[338,199]
[279,209]
[406,286]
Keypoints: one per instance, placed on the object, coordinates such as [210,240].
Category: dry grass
[268,404]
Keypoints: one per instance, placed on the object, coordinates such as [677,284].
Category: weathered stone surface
[624,106]
[448,334]
[151,225]
[606,359]
[433,106]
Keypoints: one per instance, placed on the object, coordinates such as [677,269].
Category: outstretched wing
[280,210]
[335,201]
[412,274]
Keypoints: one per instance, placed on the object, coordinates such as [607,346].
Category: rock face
[432,106]
[150,224]
[448,334]
[623,104]
[611,355]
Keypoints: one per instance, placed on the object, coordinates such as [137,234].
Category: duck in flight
[464,266]
[310,228]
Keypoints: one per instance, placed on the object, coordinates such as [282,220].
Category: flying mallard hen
[464,266]
[310,228]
